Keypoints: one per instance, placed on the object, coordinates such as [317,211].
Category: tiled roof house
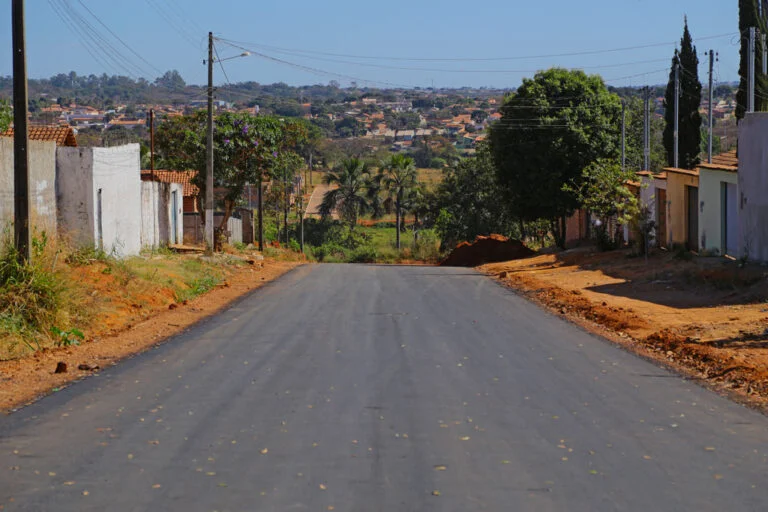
[61,135]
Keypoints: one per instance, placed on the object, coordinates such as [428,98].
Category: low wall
[42,185]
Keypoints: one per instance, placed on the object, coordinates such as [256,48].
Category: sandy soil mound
[486,249]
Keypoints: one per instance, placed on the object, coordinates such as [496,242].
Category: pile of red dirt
[486,249]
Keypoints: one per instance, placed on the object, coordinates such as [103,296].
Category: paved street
[372,388]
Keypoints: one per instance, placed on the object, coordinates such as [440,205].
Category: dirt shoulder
[707,318]
[29,378]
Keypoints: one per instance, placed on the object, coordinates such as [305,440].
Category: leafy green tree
[349,127]
[354,192]
[398,178]
[689,118]
[171,80]
[749,17]
[6,115]
[246,150]
[479,116]
[604,192]
[552,128]
[399,121]
[468,202]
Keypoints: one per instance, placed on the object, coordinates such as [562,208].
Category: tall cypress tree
[749,17]
[689,118]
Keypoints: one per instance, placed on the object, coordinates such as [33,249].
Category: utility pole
[286,204]
[623,136]
[751,72]
[152,142]
[20,135]
[261,213]
[711,99]
[764,54]
[209,220]
[677,114]
[646,129]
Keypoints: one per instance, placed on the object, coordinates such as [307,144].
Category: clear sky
[171,34]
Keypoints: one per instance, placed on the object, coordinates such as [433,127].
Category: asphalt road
[367,388]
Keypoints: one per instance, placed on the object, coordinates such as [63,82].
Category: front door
[692,198]
[661,217]
[174,217]
[730,219]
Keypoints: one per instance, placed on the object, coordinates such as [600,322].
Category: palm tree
[354,194]
[398,177]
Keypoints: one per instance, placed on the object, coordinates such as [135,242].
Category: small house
[719,208]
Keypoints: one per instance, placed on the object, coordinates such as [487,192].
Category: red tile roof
[61,135]
[726,159]
[183,177]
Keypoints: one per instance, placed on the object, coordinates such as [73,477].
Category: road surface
[371,388]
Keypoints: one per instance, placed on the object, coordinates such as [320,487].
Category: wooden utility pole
[20,135]
[209,201]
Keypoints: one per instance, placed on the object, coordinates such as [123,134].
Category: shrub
[363,254]
[427,246]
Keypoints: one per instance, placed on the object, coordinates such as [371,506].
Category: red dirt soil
[486,249]
[129,331]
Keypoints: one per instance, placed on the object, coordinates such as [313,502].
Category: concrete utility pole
[646,129]
[711,99]
[751,72]
[209,220]
[623,136]
[20,135]
[677,115]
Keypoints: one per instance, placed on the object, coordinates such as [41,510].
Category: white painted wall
[87,177]
[157,216]
[42,189]
[753,187]
[711,209]
[117,173]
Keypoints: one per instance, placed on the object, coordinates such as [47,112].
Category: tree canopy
[689,118]
[246,149]
[551,129]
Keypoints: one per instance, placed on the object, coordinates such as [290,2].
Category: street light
[209,201]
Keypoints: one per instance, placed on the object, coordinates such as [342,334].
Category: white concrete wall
[42,188]
[154,214]
[711,208]
[113,174]
[753,187]
[117,173]
[157,214]
[74,195]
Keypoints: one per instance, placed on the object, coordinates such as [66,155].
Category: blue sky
[170,34]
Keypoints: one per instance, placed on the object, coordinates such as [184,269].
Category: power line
[313,70]
[118,37]
[481,59]
[463,71]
